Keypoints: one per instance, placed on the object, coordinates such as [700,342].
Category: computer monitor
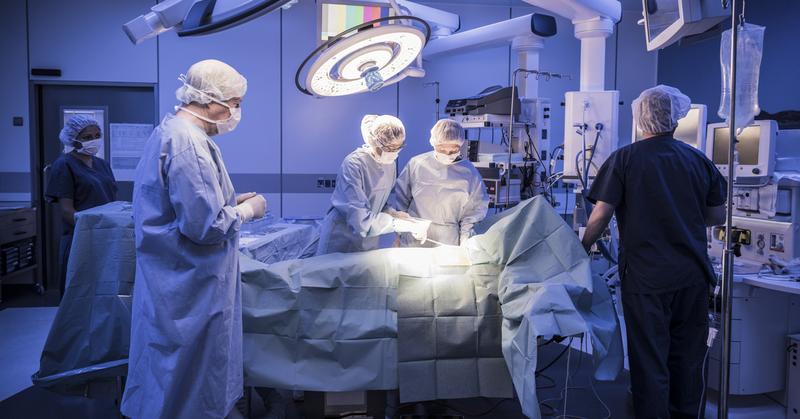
[755,149]
[691,128]
[667,21]
[336,16]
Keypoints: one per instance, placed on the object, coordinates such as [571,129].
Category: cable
[539,371]
[700,408]
[548,386]
[566,384]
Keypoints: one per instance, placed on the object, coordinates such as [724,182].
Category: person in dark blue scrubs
[665,194]
[78,180]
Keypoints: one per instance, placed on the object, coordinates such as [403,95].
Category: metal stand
[727,256]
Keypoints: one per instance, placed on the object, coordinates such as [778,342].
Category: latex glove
[421,232]
[400,214]
[244,197]
[252,208]
[417,228]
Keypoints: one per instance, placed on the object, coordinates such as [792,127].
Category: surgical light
[365,58]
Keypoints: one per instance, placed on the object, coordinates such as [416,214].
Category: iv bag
[750,45]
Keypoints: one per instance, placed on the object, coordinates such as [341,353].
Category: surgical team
[186,339]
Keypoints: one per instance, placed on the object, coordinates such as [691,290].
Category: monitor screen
[337,17]
[747,145]
[660,14]
[687,130]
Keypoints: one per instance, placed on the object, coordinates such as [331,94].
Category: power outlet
[326,183]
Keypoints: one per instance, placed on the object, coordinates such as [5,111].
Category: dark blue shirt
[88,187]
[661,188]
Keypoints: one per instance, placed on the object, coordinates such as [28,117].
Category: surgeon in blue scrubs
[78,179]
[664,194]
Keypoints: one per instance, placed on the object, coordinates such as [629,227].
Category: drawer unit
[17,256]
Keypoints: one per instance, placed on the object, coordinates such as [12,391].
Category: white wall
[636,68]
[317,133]
[287,140]
[14,141]
[84,39]
[460,75]
[254,50]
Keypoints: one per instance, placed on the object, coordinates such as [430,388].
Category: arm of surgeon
[67,210]
[715,216]
[598,221]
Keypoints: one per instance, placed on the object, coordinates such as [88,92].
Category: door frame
[44,233]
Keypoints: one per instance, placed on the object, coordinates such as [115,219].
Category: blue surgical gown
[186,332]
[452,196]
[356,217]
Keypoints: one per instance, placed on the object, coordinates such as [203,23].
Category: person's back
[664,194]
[661,215]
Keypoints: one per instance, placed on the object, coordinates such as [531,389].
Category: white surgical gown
[453,197]
[186,333]
[356,217]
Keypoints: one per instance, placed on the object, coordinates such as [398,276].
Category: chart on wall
[127,144]
[98,114]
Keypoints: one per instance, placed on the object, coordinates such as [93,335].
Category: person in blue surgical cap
[78,179]
[442,187]
[186,334]
[359,212]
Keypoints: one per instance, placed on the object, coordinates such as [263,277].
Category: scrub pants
[666,346]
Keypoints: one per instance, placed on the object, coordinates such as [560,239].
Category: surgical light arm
[197,17]
[161,18]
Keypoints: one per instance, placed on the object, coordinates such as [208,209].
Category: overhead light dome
[370,58]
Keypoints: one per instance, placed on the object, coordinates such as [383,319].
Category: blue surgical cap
[74,126]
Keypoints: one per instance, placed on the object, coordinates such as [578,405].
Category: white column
[593,33]
[527,48]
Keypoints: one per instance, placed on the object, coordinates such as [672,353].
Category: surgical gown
[356,217]
[186,337]
[452,196]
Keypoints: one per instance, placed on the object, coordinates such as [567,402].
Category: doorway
[117,104]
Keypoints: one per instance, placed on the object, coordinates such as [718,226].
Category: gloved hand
[252,208]
[399,214]
[244,197]
[417,228]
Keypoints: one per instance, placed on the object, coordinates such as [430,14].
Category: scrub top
[88,187]
[661,188]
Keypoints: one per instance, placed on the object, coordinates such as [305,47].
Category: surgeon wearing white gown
[442,187]
[186,334]
[359,212]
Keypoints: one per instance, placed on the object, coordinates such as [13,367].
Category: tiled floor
[24,331]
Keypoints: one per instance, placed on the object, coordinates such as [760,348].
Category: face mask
[89,148]
[446,158]
[224,126]
[387,157]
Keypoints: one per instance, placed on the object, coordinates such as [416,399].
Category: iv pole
[727,256]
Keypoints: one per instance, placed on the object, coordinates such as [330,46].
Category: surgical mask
[446,158]
[224,126]
[387,157]
[89,148]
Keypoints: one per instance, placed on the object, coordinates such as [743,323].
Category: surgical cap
[383,131]
[658,109]
[447,131]
[209,79]
[74,126]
